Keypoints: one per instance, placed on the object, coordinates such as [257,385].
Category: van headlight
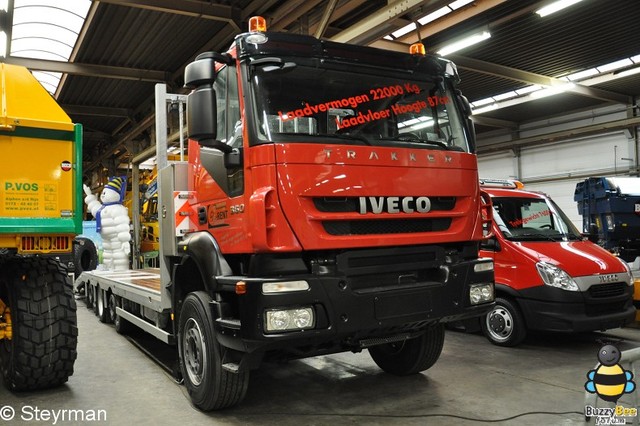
[277,320]
[555,277]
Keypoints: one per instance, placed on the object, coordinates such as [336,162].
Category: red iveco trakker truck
[330,203]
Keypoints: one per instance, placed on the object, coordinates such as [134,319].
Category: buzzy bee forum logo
[609,381]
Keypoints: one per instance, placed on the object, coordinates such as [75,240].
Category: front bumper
[358,305]
[550,309]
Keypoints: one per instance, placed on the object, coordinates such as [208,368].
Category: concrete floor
[472,380]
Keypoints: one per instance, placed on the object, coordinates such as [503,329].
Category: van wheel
[504,324]
[410,356]
[209,385]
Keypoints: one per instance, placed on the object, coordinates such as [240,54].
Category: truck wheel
[40,350]
[410,356]
[209,385]
[504,324]
[89,291]
[111,308]
[85,255]
[101,304]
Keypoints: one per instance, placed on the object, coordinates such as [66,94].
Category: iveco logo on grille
[611,278]
[379,205]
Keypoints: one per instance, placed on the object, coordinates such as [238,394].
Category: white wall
[556,168]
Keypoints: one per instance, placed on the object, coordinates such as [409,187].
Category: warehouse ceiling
[530,68]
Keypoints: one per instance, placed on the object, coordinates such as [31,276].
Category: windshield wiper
[347,136]
[409,138]
[528,235]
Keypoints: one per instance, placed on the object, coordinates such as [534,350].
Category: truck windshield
[532,219]
[300,103]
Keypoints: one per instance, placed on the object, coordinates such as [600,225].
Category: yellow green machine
[40,214]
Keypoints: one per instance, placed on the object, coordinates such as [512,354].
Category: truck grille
[385,226]
[34,244]
[351,204]
[599,291]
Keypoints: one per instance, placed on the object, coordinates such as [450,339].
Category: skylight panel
[47,29]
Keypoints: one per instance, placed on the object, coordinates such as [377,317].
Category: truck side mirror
[202,114]
[466,107]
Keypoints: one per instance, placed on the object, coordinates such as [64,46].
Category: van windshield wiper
[537,235]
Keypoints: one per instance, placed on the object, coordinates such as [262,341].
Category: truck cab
[548,276]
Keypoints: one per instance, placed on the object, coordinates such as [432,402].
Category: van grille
[599,291]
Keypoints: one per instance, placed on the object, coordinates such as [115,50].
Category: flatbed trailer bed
[139,286]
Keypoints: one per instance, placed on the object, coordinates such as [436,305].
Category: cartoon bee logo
[609,380]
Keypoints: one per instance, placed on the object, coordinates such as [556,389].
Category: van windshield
[357,106]
[532,219]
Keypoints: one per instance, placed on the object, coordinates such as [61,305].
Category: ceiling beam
[494,122]
[193,8]
[527,77]
[369,28]
[281,20]
[90,69]
[96,111]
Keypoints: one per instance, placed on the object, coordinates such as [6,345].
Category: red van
[548,276]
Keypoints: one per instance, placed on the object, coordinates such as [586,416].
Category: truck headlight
[555,277]
[481,293]
[289,319]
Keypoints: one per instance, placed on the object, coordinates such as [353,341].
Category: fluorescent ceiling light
[528,89]
[4,5]
[464,43]
[434,15]
[506,95]
[553,90]
[484,109]
[459,3]
[404,30]
[632,71]
[484,101]
[583,74]
[556,6]
[615,65]
[635,59]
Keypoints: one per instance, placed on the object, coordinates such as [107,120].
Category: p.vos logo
[21,186]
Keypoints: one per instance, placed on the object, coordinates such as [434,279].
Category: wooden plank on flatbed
[145,278]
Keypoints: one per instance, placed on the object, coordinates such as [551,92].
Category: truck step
[233,324]
[231,367]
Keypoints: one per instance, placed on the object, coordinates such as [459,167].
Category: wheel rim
[499,323]
[112,307]
[100,302]
[194,352]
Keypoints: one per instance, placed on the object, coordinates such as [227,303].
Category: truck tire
[504,325]
[43,346]
[111,308]
[90,295]
[85,255]
[209,385]
[101,305]
[410,356]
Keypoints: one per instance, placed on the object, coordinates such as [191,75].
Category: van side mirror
[592,235]
[491,244]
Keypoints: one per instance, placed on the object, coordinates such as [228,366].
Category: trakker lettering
[377,205]
[373,155]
